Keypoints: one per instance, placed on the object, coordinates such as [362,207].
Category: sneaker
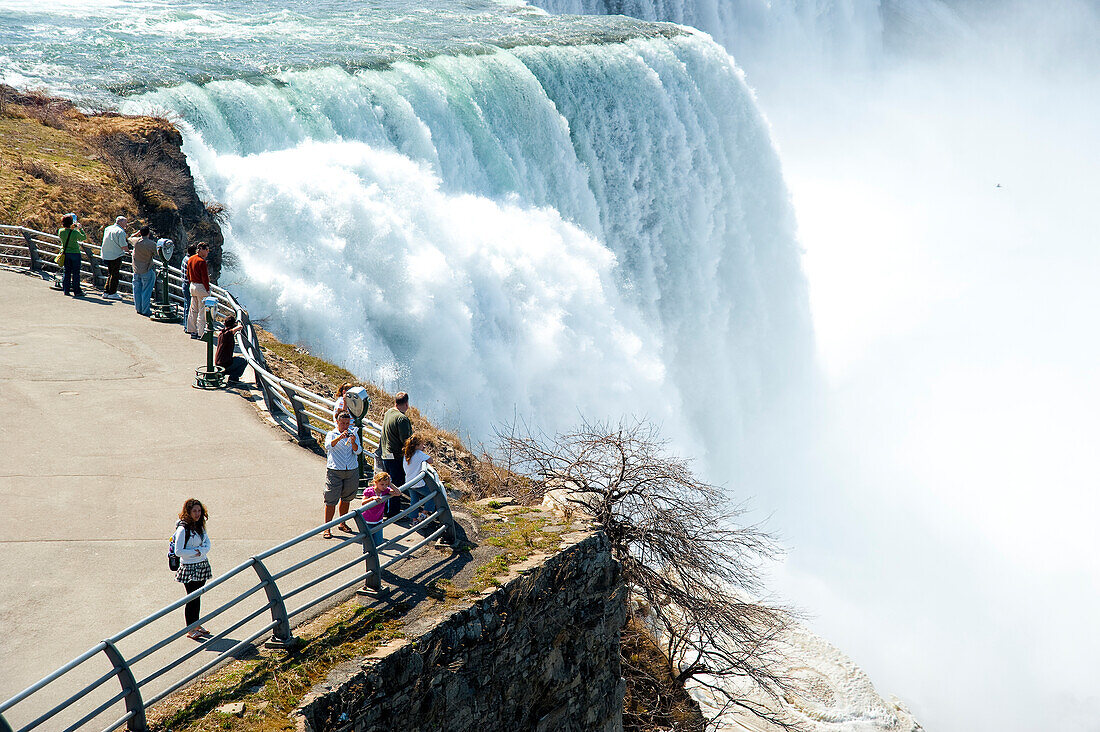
[115,296]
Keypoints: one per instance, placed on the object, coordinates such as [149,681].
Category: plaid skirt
[197,572]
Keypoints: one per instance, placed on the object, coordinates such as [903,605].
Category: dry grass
[654,701]
[52,163]
[272,685]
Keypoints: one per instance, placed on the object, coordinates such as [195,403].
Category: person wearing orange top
[199,277]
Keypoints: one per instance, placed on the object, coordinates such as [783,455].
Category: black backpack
[173,558]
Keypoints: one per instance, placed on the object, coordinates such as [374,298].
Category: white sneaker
[115,296]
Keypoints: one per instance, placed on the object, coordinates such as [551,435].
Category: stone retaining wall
[541,652]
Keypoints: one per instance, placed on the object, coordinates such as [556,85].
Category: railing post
[133,700]
[35,266]
[372,585]
[301,417]
[283,636]
[94,262]
[442,505]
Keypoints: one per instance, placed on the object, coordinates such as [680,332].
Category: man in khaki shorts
[342,477]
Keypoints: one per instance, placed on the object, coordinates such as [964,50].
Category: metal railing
[296,409]
[304,414]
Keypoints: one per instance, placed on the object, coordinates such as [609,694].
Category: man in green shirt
[396,428]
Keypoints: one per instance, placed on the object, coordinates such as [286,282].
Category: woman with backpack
[191,544]
[71,234]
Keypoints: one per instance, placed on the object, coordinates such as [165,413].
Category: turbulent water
[504,213]
[518,213]
[944,162]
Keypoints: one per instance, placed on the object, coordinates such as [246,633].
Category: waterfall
[545,231]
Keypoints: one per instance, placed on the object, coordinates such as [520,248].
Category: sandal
[326,535]
[194,635]
[346,528]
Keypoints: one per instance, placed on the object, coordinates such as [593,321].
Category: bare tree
[688,563]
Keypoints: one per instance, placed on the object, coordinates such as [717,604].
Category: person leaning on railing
[415,458]
[342,469]
[71,234]
[199,276]
[114,246]
[234,365]
[396,429]
[143,249]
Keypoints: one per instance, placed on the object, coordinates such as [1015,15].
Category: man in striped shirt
[342,482]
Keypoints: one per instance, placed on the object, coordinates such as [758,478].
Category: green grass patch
[518,538]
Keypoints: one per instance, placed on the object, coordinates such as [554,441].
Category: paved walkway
[102,439]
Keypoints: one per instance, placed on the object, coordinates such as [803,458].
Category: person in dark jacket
[396,429]
[234,365]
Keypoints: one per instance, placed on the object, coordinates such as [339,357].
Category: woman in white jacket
[191,544]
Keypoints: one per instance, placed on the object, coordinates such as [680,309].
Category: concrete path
[102,438]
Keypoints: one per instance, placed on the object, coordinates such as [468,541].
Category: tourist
[414,460]
[192,544]
[143,249]
[185,291]
[234,365]
[396,429]
[71,234]
[114,246]
[380,487]
[199,276]
[339,406]
[342,479]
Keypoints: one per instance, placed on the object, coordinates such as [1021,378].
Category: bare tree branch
[684,555]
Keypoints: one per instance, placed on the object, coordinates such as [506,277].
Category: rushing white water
[548,231]
[943,159]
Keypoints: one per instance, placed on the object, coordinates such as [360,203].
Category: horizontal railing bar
[180,633]
[328,594]
[118,722]
[332,549]
[327,575]
[302,537]
[202,646]
[411,530]
[432,536]
[98,710]
[65,704]
[53,677]
[182,601]
[206,667]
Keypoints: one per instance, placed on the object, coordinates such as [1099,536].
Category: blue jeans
[375,534]
[422,491]
[71,278]
[186,300]
[143,291]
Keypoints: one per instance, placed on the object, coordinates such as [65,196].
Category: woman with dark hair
[192,544]
[234,365]
[71,234]
[414,459]
[340,399]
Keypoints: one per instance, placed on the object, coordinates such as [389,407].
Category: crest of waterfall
[546,231]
